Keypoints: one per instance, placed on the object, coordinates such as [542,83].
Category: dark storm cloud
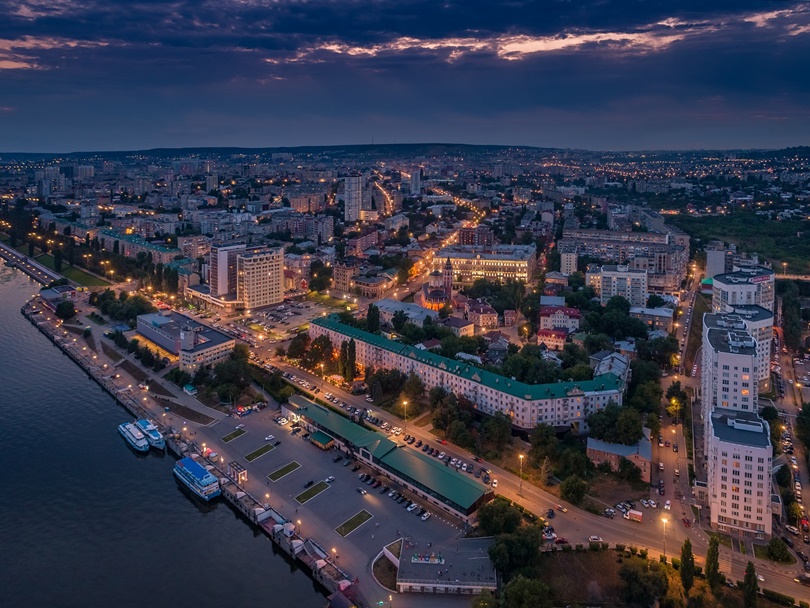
[79,74]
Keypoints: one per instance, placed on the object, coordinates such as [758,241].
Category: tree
[713,562]
[653,423]
[498,430]
[485,600]
[778,550]
[342,357]
[445,311]
[544,443]
[655,301]
[687,569]
[351,361]
[644,583]
[373,319]
[399,319]
[783,476]
[30,248]
[241,351]
[628,470]
[413,388]
[573,489]
[522,592]
[515,551]
[65,310]
[545,471]
[750,586]
[499,517]
[298,346]
[677,399]
[57,260]
[628,427]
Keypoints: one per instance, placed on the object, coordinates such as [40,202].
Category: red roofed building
[559,317]
[554,339]
[483,315]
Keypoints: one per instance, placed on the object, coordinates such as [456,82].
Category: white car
[330,479]
[240,426]
[494,483]
[595,539]
[667,505]
[426,516]
[270,438]
[644,502]
[412,508]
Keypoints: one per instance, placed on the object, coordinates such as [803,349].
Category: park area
[354,522]
[72,273]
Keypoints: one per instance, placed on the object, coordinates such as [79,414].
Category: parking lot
[320,489]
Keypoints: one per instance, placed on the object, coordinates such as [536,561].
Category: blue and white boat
[153,436]
[197,478]
[133,437]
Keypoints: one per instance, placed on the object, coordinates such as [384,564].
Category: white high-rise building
[739,480]
[260,277]
[729,372]
[758,322]
[621,280]
[352,197]
[746,286]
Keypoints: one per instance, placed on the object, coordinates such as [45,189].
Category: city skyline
[80,76]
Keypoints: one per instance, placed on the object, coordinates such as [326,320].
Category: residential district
[530,359]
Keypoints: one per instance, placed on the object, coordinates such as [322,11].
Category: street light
[664,521]
[520,489]
[300,532]
[405,405]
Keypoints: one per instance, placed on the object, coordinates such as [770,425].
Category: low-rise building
[654,318]
[460,327]
[640,454]
[554,339]
[415,314]
[559,317]
[482,315]
[193,343]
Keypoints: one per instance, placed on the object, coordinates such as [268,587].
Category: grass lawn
[111,352]
[386,573]
[312,492]
[329,301]
[231,436]
[695,337]
[96,318]
[725,540]
[423,421]
[72,272]
[761,551]
[260,452]
[133,370]
[354,522]
[184,412]
[283,471]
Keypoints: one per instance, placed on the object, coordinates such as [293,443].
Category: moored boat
[133,437]
[153,436]
[197,478]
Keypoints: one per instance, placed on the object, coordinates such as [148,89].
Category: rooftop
[750,274]
[643,448]
[521,390]
[467,565]
[491,252]
[446,481]
[652,312]
[741,428]
[736,341]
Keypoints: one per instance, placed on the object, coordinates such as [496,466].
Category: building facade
[496,263]
[747,286]
[609,281]
[562,404]
[739,480]
[260,278]
[559,317]
[194,344]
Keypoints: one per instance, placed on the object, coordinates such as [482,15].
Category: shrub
[779,598]
[643,554]
[633,549]
[579,547]
[605,546]
[566,548]
[676,563]
[699,571]
[619,547]
[662,559]
[804,604]
[595,546]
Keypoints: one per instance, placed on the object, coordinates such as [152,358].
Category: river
[84,521]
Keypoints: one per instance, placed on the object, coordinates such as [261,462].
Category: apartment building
[621,280]
[559,317]
[740,460]
[746,286]
[758,323]
[193,343]
[561,404]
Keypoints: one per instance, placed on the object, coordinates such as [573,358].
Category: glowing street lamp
[520,488]
[664,521]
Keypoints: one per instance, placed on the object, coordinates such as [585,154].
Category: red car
[560,541]
[686,522]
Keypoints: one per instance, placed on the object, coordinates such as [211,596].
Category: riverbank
[181,441]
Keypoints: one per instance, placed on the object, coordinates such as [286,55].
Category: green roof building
[561,404]
[443,486]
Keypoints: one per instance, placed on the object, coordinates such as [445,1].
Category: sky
[79,75]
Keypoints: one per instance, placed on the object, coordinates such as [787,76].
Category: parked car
[309,483]
[595,539]
[361,491]
[330,479]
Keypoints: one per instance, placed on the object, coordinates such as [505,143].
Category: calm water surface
[86,522]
